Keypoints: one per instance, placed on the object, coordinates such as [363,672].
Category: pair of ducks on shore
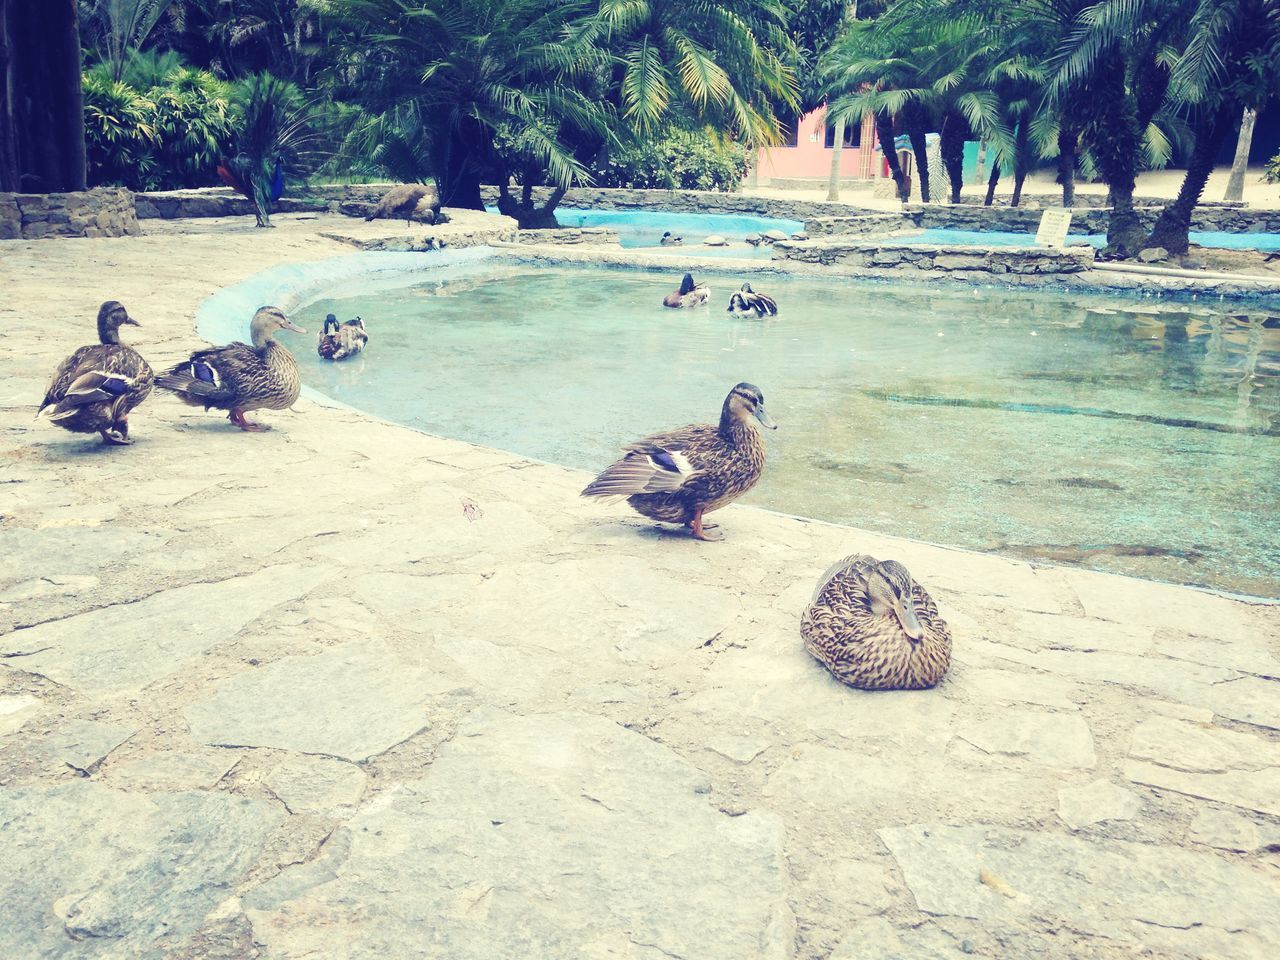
[744,303]
[95,389]
[868,621]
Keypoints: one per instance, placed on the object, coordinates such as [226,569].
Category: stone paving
[346,690]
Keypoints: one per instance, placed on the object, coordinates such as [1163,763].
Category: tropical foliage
[681,160]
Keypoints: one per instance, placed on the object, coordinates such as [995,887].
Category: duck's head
[746,401]
[111,317]
[889,594]
[746,288]
[330,321]
[687,285]
[267,321]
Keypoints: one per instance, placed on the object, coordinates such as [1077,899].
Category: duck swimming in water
[747,303]
[93,390]
[346,340]
[239,377]
[670,240]
[679,476]
[690,294]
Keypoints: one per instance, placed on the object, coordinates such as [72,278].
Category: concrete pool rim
[225,316]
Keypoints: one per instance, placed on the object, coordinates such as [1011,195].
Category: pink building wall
[811,157]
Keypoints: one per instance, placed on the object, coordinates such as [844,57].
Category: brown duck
[95,388]
[678,477]
[239,377]
[875,628]
[402,201]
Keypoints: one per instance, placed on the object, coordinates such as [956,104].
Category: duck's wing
[851,569]
[765,305]
[214,375]
[662,463]
[68,370]
[99,373]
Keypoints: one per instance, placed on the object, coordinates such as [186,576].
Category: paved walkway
[343,690]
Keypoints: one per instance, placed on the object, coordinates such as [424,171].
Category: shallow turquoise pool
[995,238]
[1126,436]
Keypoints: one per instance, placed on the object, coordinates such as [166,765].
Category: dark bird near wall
[402,201]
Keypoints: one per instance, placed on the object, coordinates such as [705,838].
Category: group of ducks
[745,302]
[95,389]
[868,621]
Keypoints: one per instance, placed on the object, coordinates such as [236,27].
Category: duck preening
[402,201]
[670,240]
[95,388]
[690,294]
[874,627]
[239,377]
[678,477]
[747,303]
[341,340]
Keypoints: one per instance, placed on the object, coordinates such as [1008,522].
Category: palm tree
[1231,62]
[118,27]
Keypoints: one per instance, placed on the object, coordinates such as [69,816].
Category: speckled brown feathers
[677,477]
[402,201]
[859,622]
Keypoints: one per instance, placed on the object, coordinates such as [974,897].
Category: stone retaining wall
[903,255]
[216,202]
[872,223]
[105,212]
[571,235]
[686,201]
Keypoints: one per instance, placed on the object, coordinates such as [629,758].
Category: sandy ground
[347,690]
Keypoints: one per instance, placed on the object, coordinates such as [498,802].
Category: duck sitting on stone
[690,294]
[679,476]
[239,377]
[95,388]
[408,200]
[670,240]
[345,340]
[747,303]
[874,627]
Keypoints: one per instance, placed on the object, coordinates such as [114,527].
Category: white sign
[1053,228]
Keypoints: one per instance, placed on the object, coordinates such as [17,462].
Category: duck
[94,389]
[679,476]
[875,628]
[346,340]
[746,302]
[670,240]
[690,294]
[754,239]
[402,200]
[239,377]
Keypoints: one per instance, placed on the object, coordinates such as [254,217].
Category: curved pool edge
[224,316]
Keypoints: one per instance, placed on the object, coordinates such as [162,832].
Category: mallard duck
[690,294]
[93,390]
[346,340]
[670,240]
[746,302]
[239,377]
[874,627]
[402,200]
[677,477]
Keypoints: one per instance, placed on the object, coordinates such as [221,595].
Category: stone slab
[173,770]
[352,701]
[1055,739]
[316,784]
[1253,790]
[1096,802]
[82,744]
[92,872]
[555,835]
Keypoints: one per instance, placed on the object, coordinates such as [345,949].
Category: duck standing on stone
[875,628]
[93,390]
[346,340]
[690,294]
[678,477]
[747,303]
[238,377]
[402,201]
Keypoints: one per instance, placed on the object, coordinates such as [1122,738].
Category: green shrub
[162,138]
[681,160]
[1272,169]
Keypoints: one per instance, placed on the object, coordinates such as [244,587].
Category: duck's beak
[764,418]
[290,325]
[132,321]
[905,611]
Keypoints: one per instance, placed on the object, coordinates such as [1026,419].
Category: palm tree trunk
[1235,185]
[460,185]
[991,183]
[837,146]
[1068,143]
[1173,227]
[1116,148]
[1020,163]
[913,118]
[884,133]
[954,128]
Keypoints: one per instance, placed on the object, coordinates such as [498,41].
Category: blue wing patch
[203,372]
[665,460]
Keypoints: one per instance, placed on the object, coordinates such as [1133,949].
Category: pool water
[996,238]
[1120,435]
